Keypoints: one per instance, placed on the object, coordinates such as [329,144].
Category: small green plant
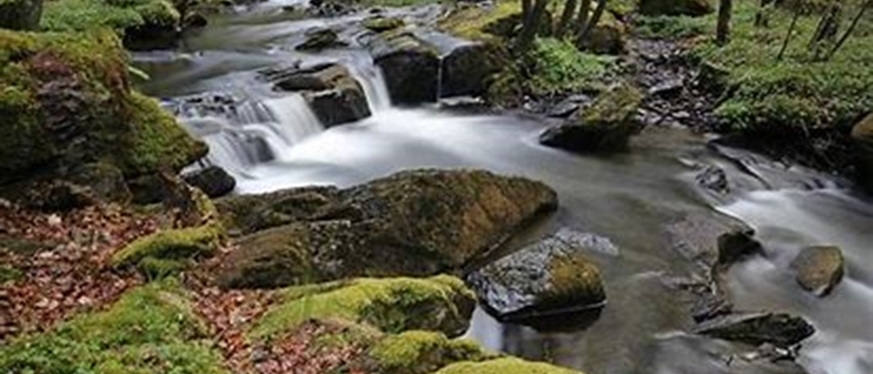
[557,66]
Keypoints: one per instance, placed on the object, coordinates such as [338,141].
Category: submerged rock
[692,8]
[392,305]
[212,180]
[819,269]
[862,135]
[411,223]
[332,92]
[551,276]
[606,126]
[779,329]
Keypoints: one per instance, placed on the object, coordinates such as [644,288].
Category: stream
[270,141]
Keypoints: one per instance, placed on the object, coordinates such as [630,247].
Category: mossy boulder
[143,24]
[862,135]
[382,24]
[508,365]
[421,352]
[20,14]
[552,276]
[67,101]
[694,8]
[392,305]
[605,126]
[419,222]
[819,269]
[150,329]
[167,251]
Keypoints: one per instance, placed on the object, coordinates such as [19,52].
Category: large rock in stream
[605,126]
[425,66]
[819,269]
[862,135]
[410,223]
[549,277]
[779,329]
[332,92]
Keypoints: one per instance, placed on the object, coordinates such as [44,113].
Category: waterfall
[373,83]
[439,82]
[292,119]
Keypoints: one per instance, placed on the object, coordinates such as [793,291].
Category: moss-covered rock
[144,24]
[66,102]
[382,24]
[20,14]
[419,222]
[421,352]
[151,329]
[606,126]
[609,36]
[167,251]
[552,276]
[392,305]
[504,366]
[819,269]
[675,7]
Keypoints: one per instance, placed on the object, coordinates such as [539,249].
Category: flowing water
[270,141]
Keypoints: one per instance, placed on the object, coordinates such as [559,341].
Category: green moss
[481,23]
[504,366]
[151,329]
[557,66]
[615,107]
[391,304]
[422,352]
[8,273]
[165,251]
[574,277]
[799,92]
[81,15]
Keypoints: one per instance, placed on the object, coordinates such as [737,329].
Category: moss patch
[166,252]
[557,66]
[8,273]
[120,15]
[151,329]
[422,352]
[392,305]
[504,366]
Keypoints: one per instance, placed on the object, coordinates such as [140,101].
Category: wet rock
[712,240]
[568,106]
[410,66]
[329,8]
[819,269]
[551,276]
[467,68]
[320,38]
[332,92]
[411,223]
[382,24]
[212,180]
[20,14]
[667,89]
[713,179]
[692,8]
[862,136]
[779,329]
[606,126]
[194,21]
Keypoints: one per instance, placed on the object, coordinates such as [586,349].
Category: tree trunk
[851,27]
[723,29]
[584,13]
[532,26]
[829,24]
[595,18]
[788,34]
[566,18]
[760,18]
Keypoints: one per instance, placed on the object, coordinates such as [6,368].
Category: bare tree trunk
[531,27]
[566,18]
[788,34]
[526,7]
[723,28]
[595,18]
[582,21]
[851,27]
[829,24]
[760,19]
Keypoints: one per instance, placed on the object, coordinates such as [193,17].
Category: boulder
[862,136]
[549,277]
[20,14]
[160,27]
[609,36]
[606,126]
[467,67]
[504,365]
[420,352]
[331,91]
[411,67]
[391,305]
[411,223]
[382,24]
[212,180]
[712,240]
[694,8]
[779,329]
[89,184]
[320,38]
[819,269]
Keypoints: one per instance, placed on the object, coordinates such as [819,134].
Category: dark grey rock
[212,180]
[779,329]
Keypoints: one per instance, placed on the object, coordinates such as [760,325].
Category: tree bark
[760,19]
[851,27]
[595,18]
[788,34]
[829,25]
[582,20]
[566,18]
[723,28]
[532,26]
